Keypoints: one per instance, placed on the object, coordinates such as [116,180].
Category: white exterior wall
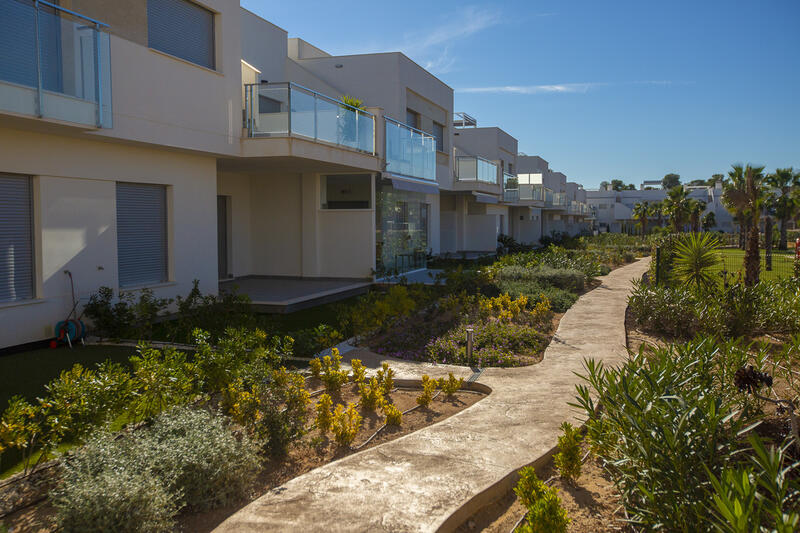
[75,221]
[279,229]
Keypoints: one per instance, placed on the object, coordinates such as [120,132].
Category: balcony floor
[285,295]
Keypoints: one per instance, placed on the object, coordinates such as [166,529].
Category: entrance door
[222,237]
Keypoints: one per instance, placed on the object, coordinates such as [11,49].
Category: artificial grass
[733,262]
[26,373]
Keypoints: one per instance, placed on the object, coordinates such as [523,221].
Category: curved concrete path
[434,478]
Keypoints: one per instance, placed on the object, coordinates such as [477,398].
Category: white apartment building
[614,209]
[473,213]
[150,143]
[545,203]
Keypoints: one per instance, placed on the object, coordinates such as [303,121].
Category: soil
[592,504]
[308,453]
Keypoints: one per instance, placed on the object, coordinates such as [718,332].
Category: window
[182,29]
[438,133]
[346,191]
[511,168]
[141,234]
[16,239]
[412,118]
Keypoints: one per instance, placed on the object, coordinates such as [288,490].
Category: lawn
[26,373]
[733,262]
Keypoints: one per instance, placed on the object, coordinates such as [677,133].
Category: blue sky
[601,89]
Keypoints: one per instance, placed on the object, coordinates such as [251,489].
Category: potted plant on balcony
[348,130]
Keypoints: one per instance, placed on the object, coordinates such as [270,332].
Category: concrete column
[310,225]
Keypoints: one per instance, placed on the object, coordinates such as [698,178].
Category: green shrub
[127,317]
[495,343]
[309,342]
[664,416]
[237,352]
[751,496]
[139,481]
[696,255]
[562,278]
[545,514]
[568,458]
[161,379]
[272,410]
[85,399]
[560,299]
[112,500]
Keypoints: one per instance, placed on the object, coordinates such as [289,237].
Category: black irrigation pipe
[356,448]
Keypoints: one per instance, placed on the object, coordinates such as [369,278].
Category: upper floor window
[412,118]
[438,133]
[16,239]
[182,29]
[511,168]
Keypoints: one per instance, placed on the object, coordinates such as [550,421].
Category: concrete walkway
[433,479]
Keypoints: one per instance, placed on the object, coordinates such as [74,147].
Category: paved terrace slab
[433,479]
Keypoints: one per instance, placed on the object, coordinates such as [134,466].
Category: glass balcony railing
[409,151]
[469,168]
[54,63]
[559,199]
[286,109]
[510,188]
[548,196]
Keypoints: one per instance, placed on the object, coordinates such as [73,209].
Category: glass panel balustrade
[54,63]
[286,109]
[409,151]
[469,168]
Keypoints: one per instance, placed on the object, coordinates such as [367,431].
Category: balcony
[559,199]
[510,188]
[290,110]
[409,152]
[470,168]
[54,64]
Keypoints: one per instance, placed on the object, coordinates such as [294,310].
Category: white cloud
[431,47]
[556,88]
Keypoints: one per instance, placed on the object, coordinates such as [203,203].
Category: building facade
[145,144]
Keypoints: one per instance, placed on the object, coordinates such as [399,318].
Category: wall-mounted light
[338,65]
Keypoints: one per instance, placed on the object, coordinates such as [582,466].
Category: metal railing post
[249,103]
[315,117]
[356,128]
[289,104]
[38,59]
[98,95]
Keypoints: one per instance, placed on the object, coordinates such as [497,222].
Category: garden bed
[592,503]
[311,451]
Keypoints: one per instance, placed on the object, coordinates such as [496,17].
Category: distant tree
[698,182]
[604,185]
[657,212]
[715,178]
[617,185]
[696,208]
[676,205]
[641,212]
[745,196]
[709,221]
[784,179]
[671,181]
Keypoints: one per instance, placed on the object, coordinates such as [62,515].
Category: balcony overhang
[407,183]
[485,198]
[296,154]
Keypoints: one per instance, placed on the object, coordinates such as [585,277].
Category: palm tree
[676,206]
[696,208]
[783,180]
[709,221]
[641,212]
[747,200]
[657,212]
